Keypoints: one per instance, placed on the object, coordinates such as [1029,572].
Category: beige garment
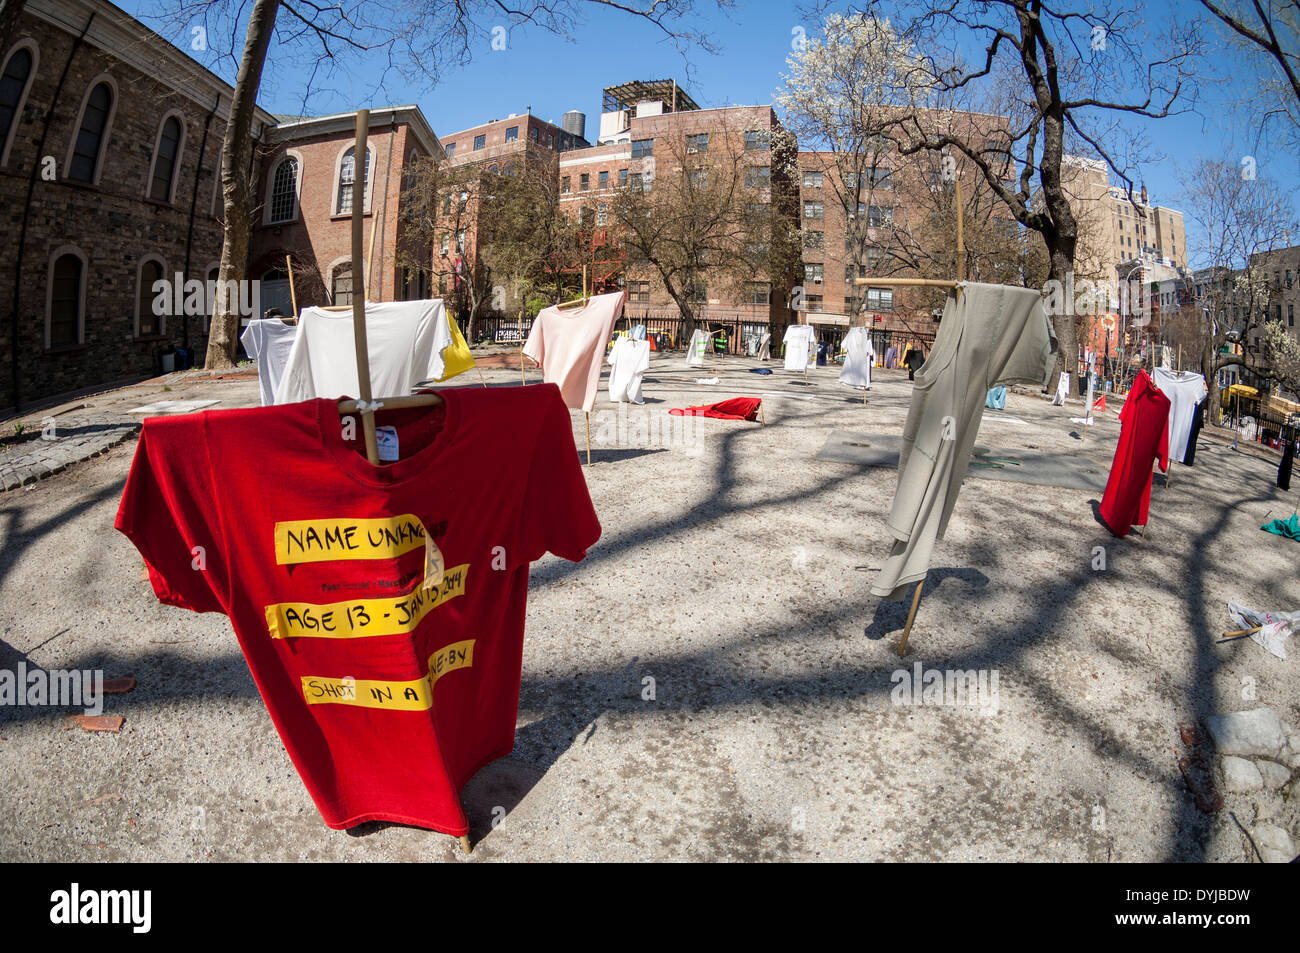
[570,346]
[992,335]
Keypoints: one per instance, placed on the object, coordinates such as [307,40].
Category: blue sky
[552,74]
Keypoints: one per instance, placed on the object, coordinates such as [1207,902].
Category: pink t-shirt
[570,346]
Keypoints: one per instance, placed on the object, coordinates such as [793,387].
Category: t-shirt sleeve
[171,512]
[557,515]
[534,347]
[1162,449]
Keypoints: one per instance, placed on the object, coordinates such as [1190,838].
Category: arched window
[84,163]
[63,326]
[165,159]
[148,324]
[284,191]
[341,284]
[14,82]
[347,172]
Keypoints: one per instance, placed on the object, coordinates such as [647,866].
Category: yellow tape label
[323,540]
[413,695]
[361,618]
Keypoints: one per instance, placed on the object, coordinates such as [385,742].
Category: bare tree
[420,40]
[704,221]
[1268,34]
[1065,76]
[1241,220]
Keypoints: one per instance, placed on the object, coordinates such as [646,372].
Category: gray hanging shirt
[990,335]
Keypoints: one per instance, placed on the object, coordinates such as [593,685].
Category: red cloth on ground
[737,408]
[388,696]
[1143,437]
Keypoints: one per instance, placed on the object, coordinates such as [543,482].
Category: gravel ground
[733,572]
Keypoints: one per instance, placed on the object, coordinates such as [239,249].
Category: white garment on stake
[628,360]
[1184,391]
[269,342]
[798,346]
[695,350]
[765,347]
[405,340]
[1062,391]
[994,335]
[858,357]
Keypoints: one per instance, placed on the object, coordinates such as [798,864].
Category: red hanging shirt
[388,696]
[1143,437]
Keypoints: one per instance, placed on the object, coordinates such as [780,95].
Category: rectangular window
[564,185]
[879,216]
[880,178]
[512,133]
[813,210]
[814,272]
[638,292]
[634,182]
[449,148]
[814,239]
[758,292]
[758,139]
[1290,316]
[622,178]
[812,180]
[758,176]
[602,214]
[534,134]
[849,272]
[880,299]
[641,148]
[699,142]
[874,258]
[584,182]
[698,178]
[813,302]
[480,142]
[603,180]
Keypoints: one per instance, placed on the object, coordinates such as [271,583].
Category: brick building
[110,143]
[307,176]
[643,129]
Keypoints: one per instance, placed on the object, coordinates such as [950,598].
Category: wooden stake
[359,291]
[588,438]
[293,297]
[465,845]
[911,617]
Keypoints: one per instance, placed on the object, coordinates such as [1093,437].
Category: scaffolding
[625,96]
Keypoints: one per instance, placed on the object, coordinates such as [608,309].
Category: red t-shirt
[388,696]
[1143,437]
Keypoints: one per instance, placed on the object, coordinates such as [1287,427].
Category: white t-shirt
[798,345]
[1062,391]
[405,340]
[858,355]
[1185,390]
[269,341]
[695,350]
[628,359]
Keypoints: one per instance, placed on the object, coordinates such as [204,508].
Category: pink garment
[570,346]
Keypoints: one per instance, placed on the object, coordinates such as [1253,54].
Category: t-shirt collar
[355,465]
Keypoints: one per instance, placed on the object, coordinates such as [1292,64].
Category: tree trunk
[1066,325]
[1209,368]
[236,189]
